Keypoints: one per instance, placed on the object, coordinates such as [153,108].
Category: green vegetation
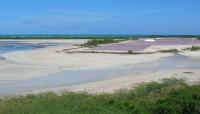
[130,52]
[169,51]
[195,48]
[95,42]
[172,96]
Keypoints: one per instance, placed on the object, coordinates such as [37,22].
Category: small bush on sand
[95,42]
[169,51]
[130,52]
[195,48]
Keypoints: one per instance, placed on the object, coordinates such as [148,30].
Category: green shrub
[95,42]
[183,101]
[171,96]
[195,48]
[169,51]
[130,52]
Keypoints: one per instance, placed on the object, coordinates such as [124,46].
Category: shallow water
[10,46]
[73,77]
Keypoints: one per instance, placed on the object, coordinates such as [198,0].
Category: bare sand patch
[51,57]
[195,54]
[16,72]
[127,82]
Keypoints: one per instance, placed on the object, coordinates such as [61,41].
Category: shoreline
[50,57]
[191,76]
[45,61]
[42,62]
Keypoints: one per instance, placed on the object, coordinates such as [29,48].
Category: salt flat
[127,82]
[49,57]
[43,63]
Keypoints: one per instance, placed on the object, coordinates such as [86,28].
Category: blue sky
[99,16]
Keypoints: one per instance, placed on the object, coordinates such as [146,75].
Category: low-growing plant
[170,96]
[130,52]
[95,42]
[169,51]
[195,48]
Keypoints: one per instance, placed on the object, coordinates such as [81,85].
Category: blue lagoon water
[10,46]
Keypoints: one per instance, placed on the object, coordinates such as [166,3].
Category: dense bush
[95,42]
[195,48]
[169,97]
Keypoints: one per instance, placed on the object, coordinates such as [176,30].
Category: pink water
[141,44]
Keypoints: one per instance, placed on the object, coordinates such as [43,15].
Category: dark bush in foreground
[169,97]
[183,101]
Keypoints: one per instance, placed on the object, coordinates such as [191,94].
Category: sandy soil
[45,61]
[23,65]
[194,54]
[50,57]
[42,62]
[126,82]
[16,72]
[17,66]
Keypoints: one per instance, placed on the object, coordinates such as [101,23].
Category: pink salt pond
[141,44]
